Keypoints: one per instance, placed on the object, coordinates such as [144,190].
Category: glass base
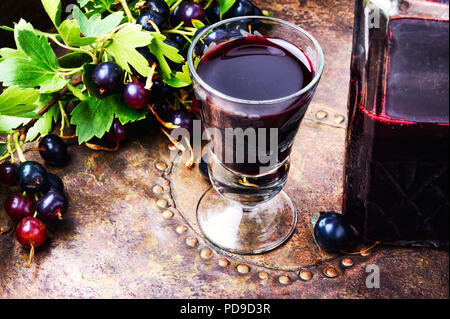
[246,230]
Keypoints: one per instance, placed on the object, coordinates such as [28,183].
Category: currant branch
[53,101]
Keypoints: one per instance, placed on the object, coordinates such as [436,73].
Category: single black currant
[183,119]
[18,206]
[180,40]
[136,95]
[147,17]
[257,11]
[333,234]
[213,13]
[31,232]
[239,9]
[53,150]
[158,6]
[186,12]
[108,77]
[52,206]
[117,133]
[32,177]
[55,183]
[8,174]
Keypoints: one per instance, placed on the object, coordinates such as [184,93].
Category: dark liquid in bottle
[396,187]
[257,69]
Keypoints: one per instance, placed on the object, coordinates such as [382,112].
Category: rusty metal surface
[131,230]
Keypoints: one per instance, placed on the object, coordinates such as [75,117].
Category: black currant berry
[31,232]
[55,183]
[239,9]
[32,177]
[52,206]
[117,133]
[213,13]
[147,16]
[8,174]
[53,150]
[186,12]
[19,206]
[180,40]
[136,95]
[183,119]
[108,77]
[158,6]
[333,234]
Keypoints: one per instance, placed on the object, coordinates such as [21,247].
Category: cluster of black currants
[42,198]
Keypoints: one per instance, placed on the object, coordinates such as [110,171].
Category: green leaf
[70,33]
[15,101]
[123,48]
[180,79]
[30,74]
[197,24]
[7,53]
[39,69]
[171,2]
[38,49]
[162,50]
[83,3]
[53,9]
[268,14]
[93,117]
[95,26]
[9,123]
[44,125]
[225,5]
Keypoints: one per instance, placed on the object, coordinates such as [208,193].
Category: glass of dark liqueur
[397,164]
[254,78]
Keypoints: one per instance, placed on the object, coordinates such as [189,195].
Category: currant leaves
[36,67]
[18,102]
[95,26]
[94,117]
[123,48]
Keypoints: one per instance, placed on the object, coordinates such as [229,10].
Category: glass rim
[314,81]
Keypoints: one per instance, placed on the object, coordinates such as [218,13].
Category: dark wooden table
[131,230]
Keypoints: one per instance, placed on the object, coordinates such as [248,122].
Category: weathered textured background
[131,231]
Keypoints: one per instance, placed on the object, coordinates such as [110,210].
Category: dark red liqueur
[397,161]
[256,69]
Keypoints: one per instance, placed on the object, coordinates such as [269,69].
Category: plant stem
[72,48]
[208,4]
[8,147]
[127,11]
[180,32]
[52,102]
[18,147]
